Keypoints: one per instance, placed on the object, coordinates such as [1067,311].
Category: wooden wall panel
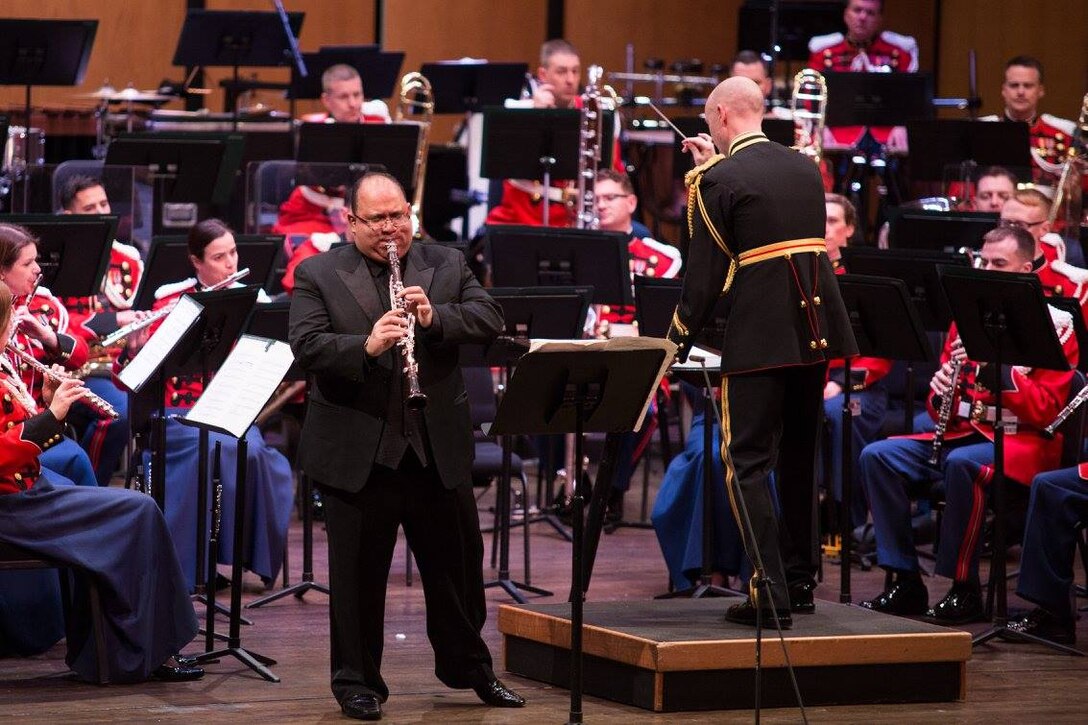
[1055,31]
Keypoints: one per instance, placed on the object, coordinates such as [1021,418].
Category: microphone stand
[759,579]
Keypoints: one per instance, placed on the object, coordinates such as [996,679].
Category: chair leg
[98,628]
[525,525]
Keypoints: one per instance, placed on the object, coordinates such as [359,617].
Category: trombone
[416,95]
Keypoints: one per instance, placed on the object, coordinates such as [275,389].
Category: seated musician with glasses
[213,254]
[897,470]
[1029,209]
[117,536]
[42,332]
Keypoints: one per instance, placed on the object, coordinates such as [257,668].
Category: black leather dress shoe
[362,707]
[179,673]
[745,613]
[962,604]
[1041,623]
[801,599]
[497,694]
[907,596]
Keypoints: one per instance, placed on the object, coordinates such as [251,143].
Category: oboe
[1067,411]
[98,404]
[416,398]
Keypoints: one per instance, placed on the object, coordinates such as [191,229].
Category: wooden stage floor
[1005,682]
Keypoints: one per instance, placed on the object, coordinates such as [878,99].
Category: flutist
[898,469]
[41,330]
[381,463]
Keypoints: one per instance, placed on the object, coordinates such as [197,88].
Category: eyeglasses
[378,222]
[609,198]
[1017,224]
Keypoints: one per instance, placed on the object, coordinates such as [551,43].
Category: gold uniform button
[823,343]
[606,309]
[11,424]
[649,273]
[1057,289]
[813,345]
[126,266]
[816,300]
[45,309]
[7,398]
[803,304]
[653,259]
[126,278]
[786,255]
[18,477]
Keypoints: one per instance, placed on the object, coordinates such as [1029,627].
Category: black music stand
[917,268]
[461,87]
[271,321]
[603,388]
[43,53]
[955,141]
[168,261]
[73,249]
[938,230]
[186,169]
[537,144]
[390,145]
[258,663]
[236,38]
[655,300]
[378,70]
[1003,319]
[878,99]
[886,324]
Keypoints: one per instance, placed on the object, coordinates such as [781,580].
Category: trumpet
[416,93]
[97,403]
[121,334]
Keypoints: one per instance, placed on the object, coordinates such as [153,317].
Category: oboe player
[895,470]
[381,464]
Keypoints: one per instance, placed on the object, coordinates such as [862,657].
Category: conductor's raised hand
[701,147]
[390,327]
[418,304]
[69,391]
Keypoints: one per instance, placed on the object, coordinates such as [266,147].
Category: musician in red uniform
[92,317]
[342,97]
[1029,209]
[214,256]
[1021,90]
[898,469]
[118,536]
[864,48]
[866,376]
[42,332]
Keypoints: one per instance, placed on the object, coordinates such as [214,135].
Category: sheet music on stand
[151,357]
[243,385]
[616,344]
[713,361]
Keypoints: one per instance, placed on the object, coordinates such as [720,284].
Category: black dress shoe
[362,707]
[745,613]
[1041,623]
[962,604]
[908,596]
[801,599]
[496,694]
[180,673]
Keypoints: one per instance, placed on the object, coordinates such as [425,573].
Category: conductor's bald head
[734,107]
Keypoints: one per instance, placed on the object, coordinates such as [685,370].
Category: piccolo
[1067,411]
[121,334]
[97,403]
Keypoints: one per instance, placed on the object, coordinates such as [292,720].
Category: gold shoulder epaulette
[692,177]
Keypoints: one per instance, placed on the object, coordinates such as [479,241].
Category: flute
[1067,411]
[97,403]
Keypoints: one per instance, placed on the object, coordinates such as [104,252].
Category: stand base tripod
[1003,631]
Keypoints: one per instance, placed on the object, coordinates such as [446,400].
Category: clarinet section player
[118,536]
[41,330]
[213,254]
[382,461]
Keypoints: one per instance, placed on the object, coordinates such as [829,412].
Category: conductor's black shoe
[496,694]
[1041,623]
[362,707]
[962,604]
[908,596]
[179,673]
[745,613]
[801,598]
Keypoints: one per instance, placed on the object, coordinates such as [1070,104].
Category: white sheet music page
[243,385]
[713,360]
[154,352]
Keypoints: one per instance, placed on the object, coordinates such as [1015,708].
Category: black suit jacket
[334,307]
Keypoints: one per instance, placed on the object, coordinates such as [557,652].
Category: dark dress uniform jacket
[757,226]
[335,304]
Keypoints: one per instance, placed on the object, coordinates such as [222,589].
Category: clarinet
[97,403]
[1067,411]
[944,417]
[416,398]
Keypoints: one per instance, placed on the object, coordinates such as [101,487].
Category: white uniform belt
[980,413]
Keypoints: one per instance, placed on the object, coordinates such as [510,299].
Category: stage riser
[732,689]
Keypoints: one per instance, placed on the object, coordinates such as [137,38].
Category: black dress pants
[772,424]
[443,531]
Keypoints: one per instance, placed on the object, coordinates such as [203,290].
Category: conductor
[756,219]
[381,464]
